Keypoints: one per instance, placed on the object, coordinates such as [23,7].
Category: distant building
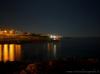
[55,37]
[7,31]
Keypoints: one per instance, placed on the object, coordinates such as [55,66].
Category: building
[9,31]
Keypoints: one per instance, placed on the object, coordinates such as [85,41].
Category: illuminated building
[7,31]
[55,37]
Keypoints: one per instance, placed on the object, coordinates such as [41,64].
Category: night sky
[66,17]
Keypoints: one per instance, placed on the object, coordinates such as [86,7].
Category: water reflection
[5,52]
[0,52]
[52,50]
[10,52]
[55,47]
[29,52]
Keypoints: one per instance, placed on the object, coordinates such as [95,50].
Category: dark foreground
[65,66]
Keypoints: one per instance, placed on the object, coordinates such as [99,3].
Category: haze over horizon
[75,18]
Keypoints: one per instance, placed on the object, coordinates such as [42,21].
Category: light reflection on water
[52,50]
[10,52]
[30,52]
[40,51]
[5,53]
[55,47]
[0,52]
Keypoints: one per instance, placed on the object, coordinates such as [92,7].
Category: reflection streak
[52,50]
[10,52]
[5,52]
[0,52]
[18,52]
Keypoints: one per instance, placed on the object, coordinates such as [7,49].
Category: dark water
[82,47]
[41,51]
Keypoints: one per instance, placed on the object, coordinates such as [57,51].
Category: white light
[51,36]
[54,36]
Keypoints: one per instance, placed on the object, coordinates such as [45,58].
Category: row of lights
[7,32]
[54,37]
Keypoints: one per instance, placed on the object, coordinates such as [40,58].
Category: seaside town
[12,35]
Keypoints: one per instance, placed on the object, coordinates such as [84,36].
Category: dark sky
[66,17]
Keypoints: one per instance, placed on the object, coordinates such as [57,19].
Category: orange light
[5,31]
[5,52]
[0,52]
[18,51]
[11,32]
[11,52]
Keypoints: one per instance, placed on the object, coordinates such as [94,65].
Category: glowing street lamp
[11,31]
[5,31]
[53,37]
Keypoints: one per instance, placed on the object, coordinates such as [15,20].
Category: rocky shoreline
[51,66]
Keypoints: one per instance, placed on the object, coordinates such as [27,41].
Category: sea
[54,50]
